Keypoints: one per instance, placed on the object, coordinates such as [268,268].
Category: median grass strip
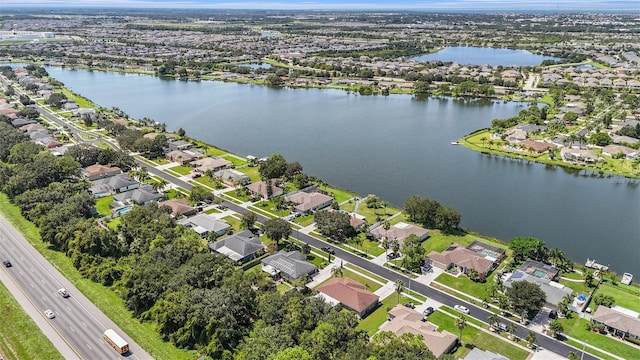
[106,300]
[477,338]
[20,337]
[367,273]
[588,350]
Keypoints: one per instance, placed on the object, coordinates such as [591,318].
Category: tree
[556,256]
[337,271]
[573,356]
[274,167]
[493,320]
[277,229]
[588,279]
[461,323]
[494,287]
[408,346]
[181,132]
[394,245]
[556,328]
[605,300]
[335,225]
[414,253]
[570,117]
[200,194]
[511,329]
[526,297]
[293,353]
[29,113]
[531,339]
[249,218]
[159,184]
[600,139]
[399,288]
[529,247]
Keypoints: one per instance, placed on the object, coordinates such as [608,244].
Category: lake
[394,147]
[468,55]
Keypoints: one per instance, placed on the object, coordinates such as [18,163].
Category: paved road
[78,322]
[475,311]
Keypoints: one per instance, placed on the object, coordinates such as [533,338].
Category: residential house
[352,295]
[288,264]
[179,207]
[260,189]
[540,270]
[20,122]
[462,258]
[143,195]
[232,177]
[31,127]
[515,135]
[211,163]
[554,291]
[400,231]
[98,171]
[114,184]
[613,150]
[240,247]
[181,157]
[617,323]
[357,221]
[177,144]
[537,146]
[205,225]
[580,156]
[621,139]
[404,320]
[478,354]
[306,202]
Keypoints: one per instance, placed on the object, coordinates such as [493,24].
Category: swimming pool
[124,209]
[539,273]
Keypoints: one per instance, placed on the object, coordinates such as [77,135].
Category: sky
[427,5]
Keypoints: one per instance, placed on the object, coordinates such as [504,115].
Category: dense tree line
[431,214]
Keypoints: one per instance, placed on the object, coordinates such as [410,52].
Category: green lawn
[182,170]
[106,300]
[478,338]
[270,207]
[212,211]
[339,194]
[102,205]
[251,171]
[283,287]
[204,180]
[243,197]
[627,296]
[370,214]
[577,287]
[319,261]
[369,284]
[174,193]
[462,283]
[113,223]
[372,322]
[235,160]
[438,241]
[304,220]
[20,337]
[80,100]
[575,327]
[234,222]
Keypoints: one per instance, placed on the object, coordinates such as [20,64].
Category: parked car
[48,313]
[393,255]
[428,311]
[553,314]
[7,263]
[63,292]
[461,308]
[502,326]
[410,305]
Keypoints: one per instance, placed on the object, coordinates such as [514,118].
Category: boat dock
[591,263]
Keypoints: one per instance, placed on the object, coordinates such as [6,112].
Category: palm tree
[336,271]
[556,328]
[159,184]
[493,320]
[512,330]
[386,244]
[503,302]
[395,245]
[556,256]
[531,339]
[483,139]
[493,288]
[386,226]
[461,323]
[399,288]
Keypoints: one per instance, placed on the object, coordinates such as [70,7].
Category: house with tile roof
[98,171]
[211,163]
[311,201]
[259,189]
[399,232]
[351,294]
[465,260]
[404,320]
[178,207]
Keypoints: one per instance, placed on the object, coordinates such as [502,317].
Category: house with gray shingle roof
[118,183]
[240,247]
[143,195]
[617,323]
[205,224]
[289,264]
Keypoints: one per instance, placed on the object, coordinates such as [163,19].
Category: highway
[78,322]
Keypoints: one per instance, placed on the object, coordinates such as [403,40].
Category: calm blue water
[394,147]
[467,55]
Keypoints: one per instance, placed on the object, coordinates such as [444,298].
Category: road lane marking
[72,329]
[85,324]
[89,346]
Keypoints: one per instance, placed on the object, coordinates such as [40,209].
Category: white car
[49,314]
[461,308]
[63,292]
